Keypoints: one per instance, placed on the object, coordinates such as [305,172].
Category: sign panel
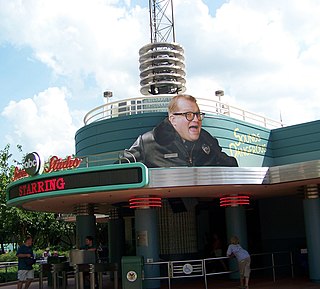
[111,177]
[33,165]
[142,238]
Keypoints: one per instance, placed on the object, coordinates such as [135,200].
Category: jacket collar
[164,133]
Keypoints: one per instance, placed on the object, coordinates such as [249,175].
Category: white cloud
[80,38]
[42,123]
[264,54]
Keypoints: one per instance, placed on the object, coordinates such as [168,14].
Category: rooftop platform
[159,103]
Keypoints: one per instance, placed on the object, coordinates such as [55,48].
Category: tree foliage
[16,223]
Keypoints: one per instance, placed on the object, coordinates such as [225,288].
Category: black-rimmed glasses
[189,115]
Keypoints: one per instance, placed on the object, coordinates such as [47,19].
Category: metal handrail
[147,104]
[170,265]
[101,159]
[6,265]
[273,266]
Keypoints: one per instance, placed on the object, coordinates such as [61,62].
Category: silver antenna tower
[162,66]
[161,20]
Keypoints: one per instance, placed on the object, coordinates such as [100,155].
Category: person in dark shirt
[89,244]
[25,264]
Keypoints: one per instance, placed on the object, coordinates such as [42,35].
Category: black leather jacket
[163,147]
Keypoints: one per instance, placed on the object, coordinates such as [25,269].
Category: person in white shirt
[243,258]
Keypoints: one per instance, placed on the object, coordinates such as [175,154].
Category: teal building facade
[279,170]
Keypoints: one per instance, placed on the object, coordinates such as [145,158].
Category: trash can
[132,272]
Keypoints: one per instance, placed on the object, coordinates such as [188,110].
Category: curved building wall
[297,143]
[247,142]
[114,134]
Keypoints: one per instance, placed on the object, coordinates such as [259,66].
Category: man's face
[28,242]
[188,130]
[88,242]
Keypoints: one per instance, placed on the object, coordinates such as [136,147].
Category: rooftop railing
[148,104]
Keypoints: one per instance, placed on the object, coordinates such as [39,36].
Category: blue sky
[20,75]
[56,60]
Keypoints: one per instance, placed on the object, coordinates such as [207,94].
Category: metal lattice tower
[162,66]
[161,20]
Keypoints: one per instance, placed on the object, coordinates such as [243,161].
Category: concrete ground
[286,283]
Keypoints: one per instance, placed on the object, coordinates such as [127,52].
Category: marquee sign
[84,180]
[57,164]
[33,165]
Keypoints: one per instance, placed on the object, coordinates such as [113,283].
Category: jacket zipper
[190,154]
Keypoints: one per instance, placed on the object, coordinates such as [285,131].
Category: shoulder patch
[206,148]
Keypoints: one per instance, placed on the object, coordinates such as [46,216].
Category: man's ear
[172,120]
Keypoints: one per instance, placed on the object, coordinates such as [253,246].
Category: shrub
[8,257]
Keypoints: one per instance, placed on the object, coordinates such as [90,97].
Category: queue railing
[61,271]
[182,269]
[200,267]
[272,264]
[6,265]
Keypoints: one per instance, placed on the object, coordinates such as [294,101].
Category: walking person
[25,264]
[243,258]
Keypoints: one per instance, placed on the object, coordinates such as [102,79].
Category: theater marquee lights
[145,202]
[233,201]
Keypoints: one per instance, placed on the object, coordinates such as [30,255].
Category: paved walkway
[288,283]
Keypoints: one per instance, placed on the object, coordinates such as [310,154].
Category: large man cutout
[179,140]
